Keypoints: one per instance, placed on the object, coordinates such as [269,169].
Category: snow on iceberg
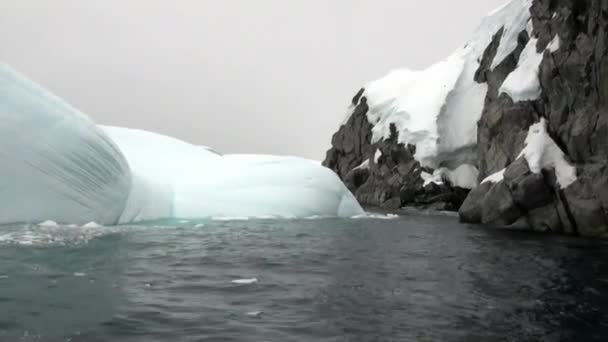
[182,180]
[437,109]
[56,163]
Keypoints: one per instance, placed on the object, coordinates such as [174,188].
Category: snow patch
[464,176]
[541,152]
[555,44]
[512,29]
[364,165]
[377,156]
[495,177]
[523,83]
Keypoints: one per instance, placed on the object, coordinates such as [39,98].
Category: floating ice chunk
[80,274]
[254,313]
[92,225]
[248,281]
[200,225]
[230,218]
[48,223]
[541,152]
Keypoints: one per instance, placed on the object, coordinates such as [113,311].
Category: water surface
[412,278]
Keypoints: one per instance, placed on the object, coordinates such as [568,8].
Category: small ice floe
[92,225]
[48,224]
[245,281]
[200,225]
[229,218]
[3,276]
[80,274]
[254,313]
[376,216]
[184,221]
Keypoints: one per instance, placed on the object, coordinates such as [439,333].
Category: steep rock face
[573,100]
[385,174]
[541,136]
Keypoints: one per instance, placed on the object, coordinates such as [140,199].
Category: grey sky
[264,76]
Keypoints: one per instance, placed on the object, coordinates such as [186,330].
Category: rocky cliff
[541,134]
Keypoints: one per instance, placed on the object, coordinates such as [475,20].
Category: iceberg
[59,165]
[56,163]
[176,179]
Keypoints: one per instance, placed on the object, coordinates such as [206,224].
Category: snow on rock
[431,178]
[541,152]
[362,166]
[523,83]
[496,177]
[437,109]
[377,156]
[464,176]
[512,28]
[56,163]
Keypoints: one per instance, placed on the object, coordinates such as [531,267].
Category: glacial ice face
[437,109]
[56,163]
[176,179]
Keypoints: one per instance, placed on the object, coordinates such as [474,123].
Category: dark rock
[471,209]
[545,219]
[529,190]
[498,207]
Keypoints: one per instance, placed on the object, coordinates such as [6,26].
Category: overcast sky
[261,76]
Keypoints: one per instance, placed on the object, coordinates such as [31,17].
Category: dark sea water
[412,278]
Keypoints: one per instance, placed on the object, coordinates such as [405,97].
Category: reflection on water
[415,278]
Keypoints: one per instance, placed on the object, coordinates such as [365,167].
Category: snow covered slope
[437,109]
[175,179]
[56,163]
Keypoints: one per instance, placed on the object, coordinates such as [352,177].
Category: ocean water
[411,278]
